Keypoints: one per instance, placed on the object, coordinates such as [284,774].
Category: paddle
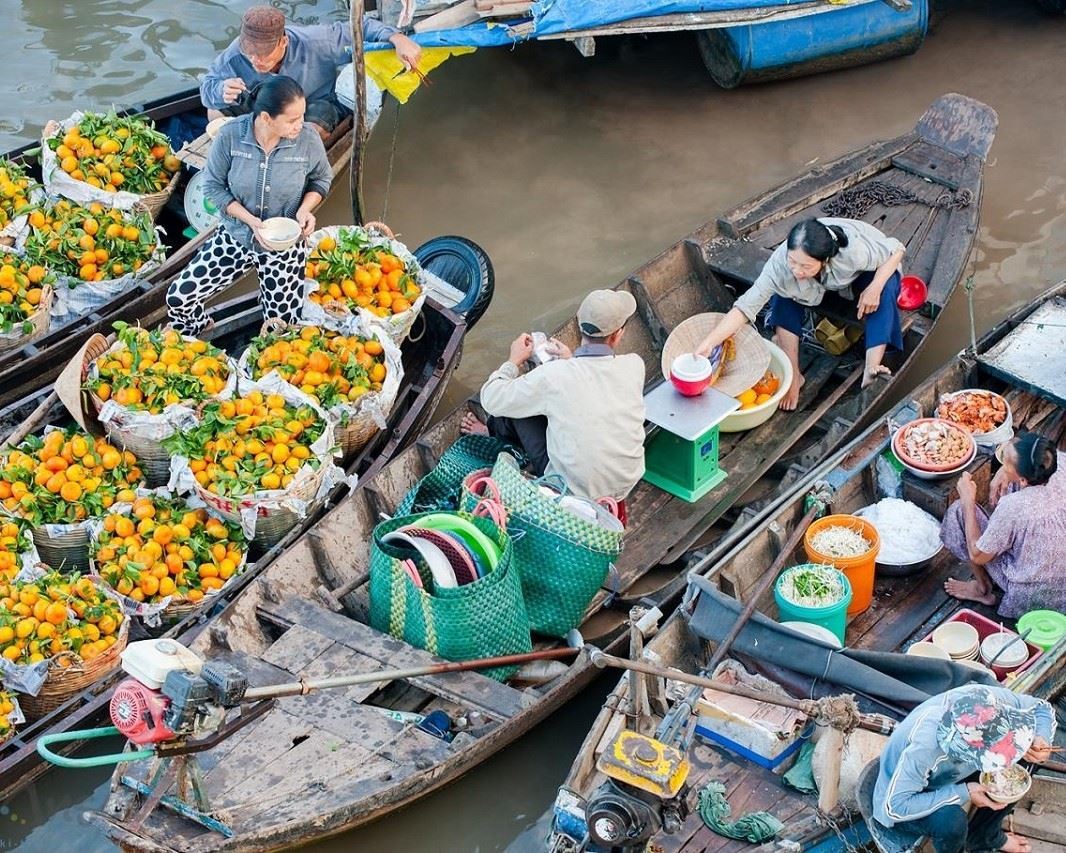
[355,173]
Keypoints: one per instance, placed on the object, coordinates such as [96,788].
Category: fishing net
[714,809]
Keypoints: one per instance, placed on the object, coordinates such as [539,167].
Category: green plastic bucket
[834,616]
[1046,627]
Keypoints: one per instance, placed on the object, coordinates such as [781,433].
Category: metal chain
[855,202]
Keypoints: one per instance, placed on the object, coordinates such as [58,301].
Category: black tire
[465,266]
[1053,7]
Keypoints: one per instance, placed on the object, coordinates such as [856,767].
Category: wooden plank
[273,736]
[470,689]
[648,313]
[296,648]
[961,224]
[959,124]
[740,260]
[336,660]
[931,162]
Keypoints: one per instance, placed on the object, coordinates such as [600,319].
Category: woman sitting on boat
[264,164]
[1017,550]
[930,769]
[844,258]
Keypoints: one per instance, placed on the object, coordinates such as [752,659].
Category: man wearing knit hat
[581,415]
[309,55]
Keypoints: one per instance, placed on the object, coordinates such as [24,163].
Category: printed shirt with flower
[917,776]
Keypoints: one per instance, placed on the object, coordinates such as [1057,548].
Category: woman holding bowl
[841,257]
[265,164]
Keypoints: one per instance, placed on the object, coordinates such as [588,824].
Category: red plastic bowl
[691,375]
[912,293]
[690,389]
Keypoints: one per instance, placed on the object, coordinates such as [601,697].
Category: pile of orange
[21,290]
[7,709]
[149,371]
[249,444]
[165,549]
[111,153]
[91,243]
[14,541]
[66,477]
[331,367]
[15,189]
[760,392]
[353,274]
[56,613]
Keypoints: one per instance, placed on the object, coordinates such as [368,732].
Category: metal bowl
[900,570]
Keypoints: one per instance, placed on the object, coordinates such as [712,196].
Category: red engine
[138,711]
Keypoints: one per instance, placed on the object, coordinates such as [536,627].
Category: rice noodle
[908,534]
[838,540]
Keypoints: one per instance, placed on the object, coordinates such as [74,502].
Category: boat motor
[644,792]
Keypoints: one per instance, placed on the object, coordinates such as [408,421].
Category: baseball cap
[604,312]
[261,29]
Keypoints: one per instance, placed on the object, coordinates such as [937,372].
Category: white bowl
[743,419]
[279,233]
[818,632]
[1015,656]
[986,779]
[958,639]
[216,124]
[1004,432]
[928,650]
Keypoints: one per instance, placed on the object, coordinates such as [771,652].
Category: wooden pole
[359,134]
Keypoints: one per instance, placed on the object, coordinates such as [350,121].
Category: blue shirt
[311,59]
[267,184]
[917,777]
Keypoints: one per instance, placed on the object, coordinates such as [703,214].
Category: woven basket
[441,487]
[38,320]
[272,523]
[737,374]
[64,682]
[68,552]
[155,202]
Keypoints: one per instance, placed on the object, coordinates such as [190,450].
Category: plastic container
[149,661]
[832,616]
[913,293]
[744,419]
[691,374]
[1006,650]
[859,570]
[928,650]
[1046,627]
[985,627]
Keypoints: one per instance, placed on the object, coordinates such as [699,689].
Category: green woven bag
[485,618]
[439,489]
[562,559]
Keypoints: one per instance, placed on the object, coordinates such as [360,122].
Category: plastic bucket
[859,570]
[833,616]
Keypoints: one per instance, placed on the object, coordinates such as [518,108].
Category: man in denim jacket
[309,55]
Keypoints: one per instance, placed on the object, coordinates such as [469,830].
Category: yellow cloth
[382,66]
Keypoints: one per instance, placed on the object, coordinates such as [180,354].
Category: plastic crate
[986,626]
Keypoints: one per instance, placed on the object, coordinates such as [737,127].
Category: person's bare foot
[879,372]
[470,425]
[792,395]
[969,591]
[1016,844]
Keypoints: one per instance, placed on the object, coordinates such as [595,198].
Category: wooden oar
[355,170]
[32,422]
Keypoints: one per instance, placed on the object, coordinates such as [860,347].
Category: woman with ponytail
[1017,550]
[263,164]
[845,258]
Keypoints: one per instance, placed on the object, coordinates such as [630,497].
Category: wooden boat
[430,357]
[905,609]
[336,761]
[27,368]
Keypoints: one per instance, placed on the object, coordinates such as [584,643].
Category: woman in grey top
[843,257]
[264,164]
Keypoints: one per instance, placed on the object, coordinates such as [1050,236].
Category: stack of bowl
[1009,659]
[959,639]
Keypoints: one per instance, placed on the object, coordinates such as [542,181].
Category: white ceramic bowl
[1015,656]
[958,639]
[987,778]
[928,650]
[743,419]
[279,233]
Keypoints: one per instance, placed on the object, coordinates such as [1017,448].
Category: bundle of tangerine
[7,710]
[66,477]
[165,549]
[15,188]
[21,290]
[352,273]
[112,152]
[148,371]
[760,392]
[93,243]
[55,614]
[14,541]
[331,367]
[249,444]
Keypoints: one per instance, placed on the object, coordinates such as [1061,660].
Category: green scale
[681,456]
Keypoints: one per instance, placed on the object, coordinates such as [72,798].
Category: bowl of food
[692,374]
[932,448]
[1008,785]
[984,414]
[279,233]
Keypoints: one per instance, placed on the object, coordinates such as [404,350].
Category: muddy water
[571,172]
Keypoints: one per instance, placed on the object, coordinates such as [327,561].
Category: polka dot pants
[219,263]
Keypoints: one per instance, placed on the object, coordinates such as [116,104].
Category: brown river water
[571,172]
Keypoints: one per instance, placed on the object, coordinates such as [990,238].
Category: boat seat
[888,840]
[738,260]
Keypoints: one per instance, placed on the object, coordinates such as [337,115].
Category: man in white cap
[581,415]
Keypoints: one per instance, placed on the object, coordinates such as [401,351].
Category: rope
[855,202]
[714,810]
[392,160]
[840,712]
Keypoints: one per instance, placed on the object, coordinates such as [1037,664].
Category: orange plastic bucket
[859,570]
